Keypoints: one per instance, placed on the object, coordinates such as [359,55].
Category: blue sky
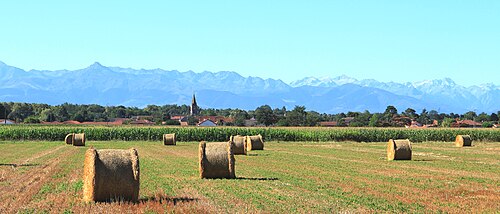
[384,40]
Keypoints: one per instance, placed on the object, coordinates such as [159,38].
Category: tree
[470,115]
[239,117]
[494,117]
[47,115]
[483,117]
[297,116]
[32,119]
[424,117]
[20,111]
[411,113]
[391,110]
[374,120]
[361,119]
[447,122]
[3,111]
[312,118]
[192,121]
[264,115]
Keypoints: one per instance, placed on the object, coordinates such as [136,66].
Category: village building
[194,110]
[207,123]
[7,122]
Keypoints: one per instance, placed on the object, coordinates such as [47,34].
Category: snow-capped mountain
[442,94]
[226,89]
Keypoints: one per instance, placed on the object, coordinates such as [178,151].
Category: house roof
[328,123]
[207,122]
[177,117]
[216,119]
[469,122]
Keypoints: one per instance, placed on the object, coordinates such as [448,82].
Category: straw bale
[169,139]
[399,149]
[463,140]
[255,143]
[79,139]
[111,175]
[69,138]
[240,147]
[216,160]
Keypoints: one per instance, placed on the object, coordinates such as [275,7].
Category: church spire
[194,106]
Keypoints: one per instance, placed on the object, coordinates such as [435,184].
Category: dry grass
[338,177]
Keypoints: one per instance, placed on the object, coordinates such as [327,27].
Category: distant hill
[125,86]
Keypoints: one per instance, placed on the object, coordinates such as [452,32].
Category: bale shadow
[426,160]
[165,199]
[257,179]
[18,165]
[257,154]
[156,199]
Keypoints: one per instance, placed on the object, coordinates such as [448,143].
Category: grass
[285,177]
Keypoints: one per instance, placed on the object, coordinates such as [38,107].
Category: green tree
[192,121]
[411,113]
[312,118]
[374,120]
[264,115]
[297,116]
[470,115]
[47,115]
[494,117]
[3,111]
[447,122]
[239,117]
[483,117]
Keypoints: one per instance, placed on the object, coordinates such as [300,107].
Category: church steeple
[194,107]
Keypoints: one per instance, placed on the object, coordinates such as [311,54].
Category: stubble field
[304,177]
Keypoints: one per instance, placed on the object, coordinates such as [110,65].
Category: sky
[400,41]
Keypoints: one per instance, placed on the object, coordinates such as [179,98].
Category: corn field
[134,133]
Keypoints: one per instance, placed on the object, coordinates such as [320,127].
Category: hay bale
[399,150]
[111,175]
[216,160]
[255,143]
[69,138]
[169,139]
[240,146]
[463,140]
[79,139]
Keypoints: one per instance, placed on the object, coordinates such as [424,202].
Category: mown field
[317,134]
[304,177]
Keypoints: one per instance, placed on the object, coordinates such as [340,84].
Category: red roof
[328,123]
[216,119]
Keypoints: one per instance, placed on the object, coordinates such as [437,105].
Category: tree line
[263,115]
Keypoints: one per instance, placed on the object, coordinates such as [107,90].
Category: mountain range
[225,89]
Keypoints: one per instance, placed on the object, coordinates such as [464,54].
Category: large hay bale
[399,150]
[111,175]
[216,160]
[79,139]
[69,138]
[240,146]
[463,140]
[169,139]
[255,143]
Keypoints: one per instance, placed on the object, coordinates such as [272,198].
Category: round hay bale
[79,139]
[69,138]
[216,160]
[169,139]
[399,150]
[240,146]
[111,175]
[255,143]
[463,140]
